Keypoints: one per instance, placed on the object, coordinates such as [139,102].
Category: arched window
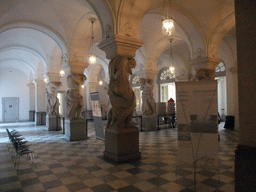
[220,70]
[220,76]
[166,81]
[135,80]
[166,75]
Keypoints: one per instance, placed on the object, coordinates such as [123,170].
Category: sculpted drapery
[74,98]
[52,100]
[121,94]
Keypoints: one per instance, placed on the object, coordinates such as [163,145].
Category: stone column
[204,67]
[40,102]
[121,137]
[31,101]
[91,87]
[75,123]
[245,159]
[149,118]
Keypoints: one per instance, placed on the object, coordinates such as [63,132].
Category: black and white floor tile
[63,166]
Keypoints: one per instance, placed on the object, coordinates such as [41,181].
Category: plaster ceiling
[69,20]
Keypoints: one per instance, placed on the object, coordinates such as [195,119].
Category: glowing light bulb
[62,73]
[82,86]
[100,82]
[171,69]
[168,27]
[92,59]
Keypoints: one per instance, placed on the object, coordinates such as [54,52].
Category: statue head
[74,81]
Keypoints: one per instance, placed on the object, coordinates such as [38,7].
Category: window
[166,75]
[220,67]
[135,80]
[167,91]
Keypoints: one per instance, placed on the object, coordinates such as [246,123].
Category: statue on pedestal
[74,98]
[52,100]
[121,94]
[148,102]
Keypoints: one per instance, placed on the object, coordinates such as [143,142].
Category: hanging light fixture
[92,57]
[171,68]
[168,27]
[62,73]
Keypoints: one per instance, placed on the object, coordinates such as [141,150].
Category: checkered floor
[79,166]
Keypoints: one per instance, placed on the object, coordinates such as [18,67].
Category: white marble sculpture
[148,102]
[74,98]
[121,95]
[52,100]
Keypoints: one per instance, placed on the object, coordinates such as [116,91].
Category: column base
[149,123]
[40,118]
[32,115]
[75,130]
[122,146]
[245,168]
[53,123]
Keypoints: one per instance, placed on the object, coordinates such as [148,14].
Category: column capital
[120,45]
[39,81]
[205,67]
[31,85]
[54,77]
[147,74]
[77,67]
[204,63]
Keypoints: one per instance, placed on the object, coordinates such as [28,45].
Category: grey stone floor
[79,166]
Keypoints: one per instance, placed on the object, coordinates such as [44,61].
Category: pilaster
[40,104]
[31,101]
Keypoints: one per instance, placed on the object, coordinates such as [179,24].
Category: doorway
[167,91]
[10,109]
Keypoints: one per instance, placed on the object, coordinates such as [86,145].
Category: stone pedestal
[122,146]
[75,130]
[40,118]
[149,123]
[53,123]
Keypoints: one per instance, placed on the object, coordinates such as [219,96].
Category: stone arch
[217,35]
[29,50]
[131,26]
[106,16]
[39,27]
[55,61]
[26,69]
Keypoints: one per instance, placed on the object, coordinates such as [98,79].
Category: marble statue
[52,100]
[74,99]
[148,102]
[121,95]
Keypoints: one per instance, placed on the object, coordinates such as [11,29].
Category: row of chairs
[19,147]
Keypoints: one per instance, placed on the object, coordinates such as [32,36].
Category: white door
[10,109]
